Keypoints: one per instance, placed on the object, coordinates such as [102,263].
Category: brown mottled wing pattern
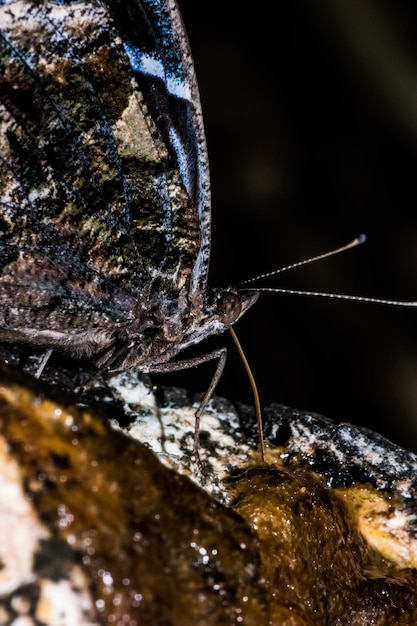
[104,198]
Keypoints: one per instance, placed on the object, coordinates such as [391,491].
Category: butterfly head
[223,307]
[230,304]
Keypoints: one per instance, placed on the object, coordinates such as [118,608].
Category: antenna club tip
[361,239]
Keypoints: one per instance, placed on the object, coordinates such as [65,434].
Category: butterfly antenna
[352,244]
[336,296]
[254,391]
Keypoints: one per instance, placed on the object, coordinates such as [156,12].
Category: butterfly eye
[230,308]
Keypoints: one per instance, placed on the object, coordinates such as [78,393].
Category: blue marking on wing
[148,65]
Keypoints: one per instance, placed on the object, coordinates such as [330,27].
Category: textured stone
[321,533]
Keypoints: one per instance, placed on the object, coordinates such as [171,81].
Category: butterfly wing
[104,210]
[156,43]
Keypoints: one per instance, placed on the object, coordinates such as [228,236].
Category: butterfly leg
[42,362]
[221,355]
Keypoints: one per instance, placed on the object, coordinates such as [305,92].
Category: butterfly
[104,187]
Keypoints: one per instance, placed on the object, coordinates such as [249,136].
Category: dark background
[311,120]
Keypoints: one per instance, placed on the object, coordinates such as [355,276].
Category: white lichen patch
[19,526]
[132,391]
[385,527]
[66,602]
[169,432]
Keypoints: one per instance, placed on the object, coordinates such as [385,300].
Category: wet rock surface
[96,529]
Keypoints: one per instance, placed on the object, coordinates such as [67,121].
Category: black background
[311,121]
